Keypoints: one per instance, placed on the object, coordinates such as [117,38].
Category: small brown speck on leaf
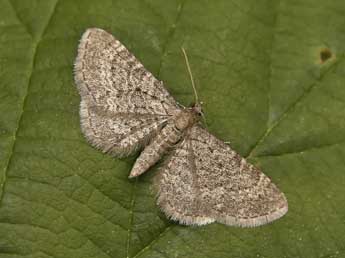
[325,54]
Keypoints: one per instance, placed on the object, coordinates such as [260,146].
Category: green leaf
[272,76]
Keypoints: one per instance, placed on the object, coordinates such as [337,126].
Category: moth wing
[205,180]
[176,187]
[116,133]
[122,104]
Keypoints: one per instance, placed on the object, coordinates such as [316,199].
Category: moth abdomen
[153,152]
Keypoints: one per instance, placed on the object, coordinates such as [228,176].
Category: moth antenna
[190,74]
[193,83]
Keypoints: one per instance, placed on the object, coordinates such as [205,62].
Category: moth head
[197,108]
[198,112]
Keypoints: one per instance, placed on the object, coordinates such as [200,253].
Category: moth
[124,108]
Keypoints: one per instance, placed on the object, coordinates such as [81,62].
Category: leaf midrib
[171,33]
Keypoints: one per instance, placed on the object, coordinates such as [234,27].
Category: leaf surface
[272,76]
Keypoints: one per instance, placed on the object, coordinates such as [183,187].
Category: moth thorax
[186,118]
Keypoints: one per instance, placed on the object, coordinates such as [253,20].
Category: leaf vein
[19,19]
[171,34]
[143,250]
[311,148]
[19,120]
[131,217]
[291,108]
